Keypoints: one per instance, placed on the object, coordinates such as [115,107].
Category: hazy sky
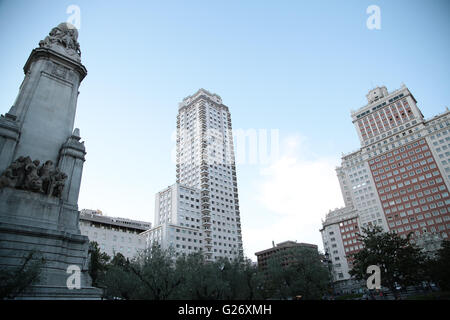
[295,66]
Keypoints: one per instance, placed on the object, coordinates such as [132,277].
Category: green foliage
[156,274]
[296,272]
[98,262]
[13,281]
[400,261]
[119,281]
[438,268]
[201,280]
[222,279]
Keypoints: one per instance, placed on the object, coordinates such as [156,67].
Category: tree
[218,280]
[156,274]
[243,279]
[155,269]
[98,262]
[438,267]
[200,280]
[119,281]
[296,272]
[14,281]
[400,261]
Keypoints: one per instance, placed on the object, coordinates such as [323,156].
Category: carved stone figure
[45,174]
[63,36]
[18,168]
[58,182]
[26,174]
[32,180]
[8,179]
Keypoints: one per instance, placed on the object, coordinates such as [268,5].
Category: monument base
[39,292]
[47,226]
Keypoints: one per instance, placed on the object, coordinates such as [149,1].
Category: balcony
[206,224]
[204,186]
[206,211]
[205,196]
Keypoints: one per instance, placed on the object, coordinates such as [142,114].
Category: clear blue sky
[296,66]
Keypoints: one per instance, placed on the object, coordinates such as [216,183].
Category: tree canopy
[157,274]
[400,260]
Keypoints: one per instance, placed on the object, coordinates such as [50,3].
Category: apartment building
[206,167]
[398,179]
[113,234]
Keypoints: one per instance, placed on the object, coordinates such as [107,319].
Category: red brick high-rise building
[399,179]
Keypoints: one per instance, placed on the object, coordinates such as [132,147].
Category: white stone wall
[332,242]
[438,137]
[113,240]
[364,194]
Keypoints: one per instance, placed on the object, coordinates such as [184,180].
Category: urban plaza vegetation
[156,274]
[402,263]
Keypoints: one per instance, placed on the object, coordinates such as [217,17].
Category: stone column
[9,135]
[47,101]
[71,160]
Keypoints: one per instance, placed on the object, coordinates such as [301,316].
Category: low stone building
[113,234]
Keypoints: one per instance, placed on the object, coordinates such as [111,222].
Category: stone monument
[41,163]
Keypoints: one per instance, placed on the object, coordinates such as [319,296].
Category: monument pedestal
[41,165]
[34,222]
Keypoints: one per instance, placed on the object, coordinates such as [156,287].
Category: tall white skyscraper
[205,163]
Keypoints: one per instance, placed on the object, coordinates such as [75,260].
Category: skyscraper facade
[205,162]
[398,179]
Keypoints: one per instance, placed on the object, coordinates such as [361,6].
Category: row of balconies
[205,195]
[204,179]
[204,185]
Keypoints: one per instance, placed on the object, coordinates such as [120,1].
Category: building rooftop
[201,92]
[287,244]
[378,98]
[339,214]
[97,216]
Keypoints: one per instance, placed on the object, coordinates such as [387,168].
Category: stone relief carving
[59,71]
[63,38]
[26,174]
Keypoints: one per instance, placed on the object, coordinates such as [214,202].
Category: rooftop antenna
[273,243]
